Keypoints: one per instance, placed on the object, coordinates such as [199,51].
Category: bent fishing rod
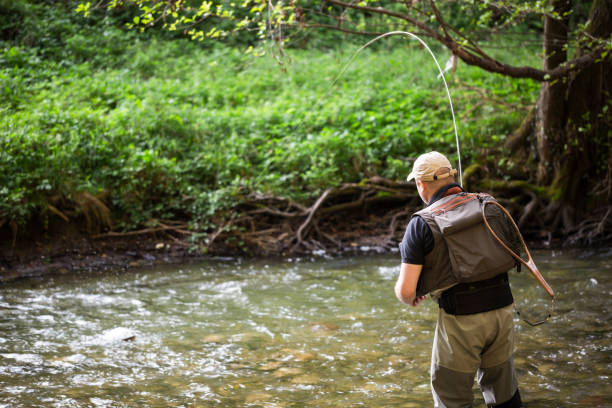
[527,259]
[424,44]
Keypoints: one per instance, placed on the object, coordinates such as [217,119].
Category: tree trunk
[572,120]
[550,111]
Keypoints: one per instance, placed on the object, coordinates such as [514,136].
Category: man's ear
[423,190]
[420,184]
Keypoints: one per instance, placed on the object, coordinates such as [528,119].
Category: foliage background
[155,126]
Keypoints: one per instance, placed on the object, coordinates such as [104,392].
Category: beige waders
[476,344]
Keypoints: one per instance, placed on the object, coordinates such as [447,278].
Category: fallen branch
[130,233]
[146,231]
[262,232]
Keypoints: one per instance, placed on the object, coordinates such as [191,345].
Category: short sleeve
[418,241]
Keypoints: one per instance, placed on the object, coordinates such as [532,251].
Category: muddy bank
[73,251]
[78,252]
[370,216]
[82,254]
[122,255]
[365,217]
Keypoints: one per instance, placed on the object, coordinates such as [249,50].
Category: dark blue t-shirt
[418,239]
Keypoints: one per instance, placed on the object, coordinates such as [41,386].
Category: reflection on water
[311,333]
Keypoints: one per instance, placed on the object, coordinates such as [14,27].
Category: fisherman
[447,253]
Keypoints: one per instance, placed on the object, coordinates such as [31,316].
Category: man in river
[474,333]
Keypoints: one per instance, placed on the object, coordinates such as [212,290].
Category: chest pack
[463,246]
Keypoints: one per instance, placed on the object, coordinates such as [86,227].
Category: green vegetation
[163,128]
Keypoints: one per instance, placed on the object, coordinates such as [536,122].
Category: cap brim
[410,176]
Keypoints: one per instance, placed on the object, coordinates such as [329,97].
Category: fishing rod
[450,101]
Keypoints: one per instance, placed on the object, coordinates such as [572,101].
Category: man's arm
[405,287]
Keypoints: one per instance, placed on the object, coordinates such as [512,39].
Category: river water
[281,333]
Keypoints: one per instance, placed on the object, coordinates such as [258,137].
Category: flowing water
[280,333]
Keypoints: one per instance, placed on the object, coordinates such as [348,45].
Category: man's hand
[418,300]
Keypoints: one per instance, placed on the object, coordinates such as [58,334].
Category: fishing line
[409,34]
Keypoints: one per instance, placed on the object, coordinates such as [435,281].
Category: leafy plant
[162,128]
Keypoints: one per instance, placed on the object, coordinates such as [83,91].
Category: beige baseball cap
[431,166]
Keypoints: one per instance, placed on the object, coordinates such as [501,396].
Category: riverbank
[367,217]
[72,251]
[83,254]
[79,253]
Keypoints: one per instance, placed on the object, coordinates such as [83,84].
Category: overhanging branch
[482,60]
[344,30]
[379,10]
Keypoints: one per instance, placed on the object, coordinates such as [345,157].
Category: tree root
[348,216]
[529,209]
[178,227]
[370,214]
[518,140]
[57,212]
[594,230]
[311,213]
[542,218]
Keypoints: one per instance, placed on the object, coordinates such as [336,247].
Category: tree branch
[483,61]
[343,30]
[445,26]
[379,10]
[439,18]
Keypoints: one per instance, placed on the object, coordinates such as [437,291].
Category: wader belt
[477,297]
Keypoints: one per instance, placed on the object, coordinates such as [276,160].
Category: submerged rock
[258,396]
[298,355]
[214,338]
[306,379]
[323,328]
[287,372]
[272,365]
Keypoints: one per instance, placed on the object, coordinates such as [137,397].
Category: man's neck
[449,189]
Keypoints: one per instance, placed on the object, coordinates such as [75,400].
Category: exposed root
[594,230]
[371,214]
[390,238]
[518,140]
[96,213]
[529,209]
[311,213]
[219,230]
[57,212]
[178,227]
[348,216]
[353,215]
